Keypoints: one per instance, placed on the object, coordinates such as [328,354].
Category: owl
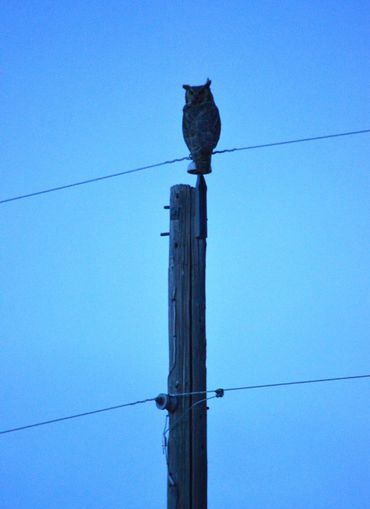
[201,126]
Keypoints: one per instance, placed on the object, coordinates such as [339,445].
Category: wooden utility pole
[187,441]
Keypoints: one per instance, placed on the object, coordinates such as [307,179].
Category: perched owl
[201,126]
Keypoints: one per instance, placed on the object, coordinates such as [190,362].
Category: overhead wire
[218,394]
[75,416]
[266,386]
[298,140]
[176,160]
[89,181]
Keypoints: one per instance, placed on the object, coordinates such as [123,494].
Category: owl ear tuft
[208,83]
[186,87]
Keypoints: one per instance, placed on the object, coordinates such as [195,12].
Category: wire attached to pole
[219,393]
[172,161]
[75,416]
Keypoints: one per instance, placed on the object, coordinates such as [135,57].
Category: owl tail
[202,163]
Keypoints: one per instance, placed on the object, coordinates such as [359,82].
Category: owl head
[199,94]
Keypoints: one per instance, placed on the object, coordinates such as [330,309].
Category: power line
[299,382]
[172,161]
[75,416]
[299,140]
[218,394]
[89,181]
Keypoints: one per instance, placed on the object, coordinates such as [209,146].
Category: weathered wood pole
[187,442]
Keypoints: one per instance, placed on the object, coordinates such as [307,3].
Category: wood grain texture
[187,446]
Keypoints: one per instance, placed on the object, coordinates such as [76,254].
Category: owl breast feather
[201,127]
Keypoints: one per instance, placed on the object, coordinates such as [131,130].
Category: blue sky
[92,88]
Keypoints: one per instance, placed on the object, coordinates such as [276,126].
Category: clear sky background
[90,88]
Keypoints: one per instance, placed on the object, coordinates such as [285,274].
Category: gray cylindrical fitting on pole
[166,402]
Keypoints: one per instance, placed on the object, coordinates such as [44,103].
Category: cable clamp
[220,393]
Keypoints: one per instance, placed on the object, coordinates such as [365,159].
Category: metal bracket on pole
[201,208]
